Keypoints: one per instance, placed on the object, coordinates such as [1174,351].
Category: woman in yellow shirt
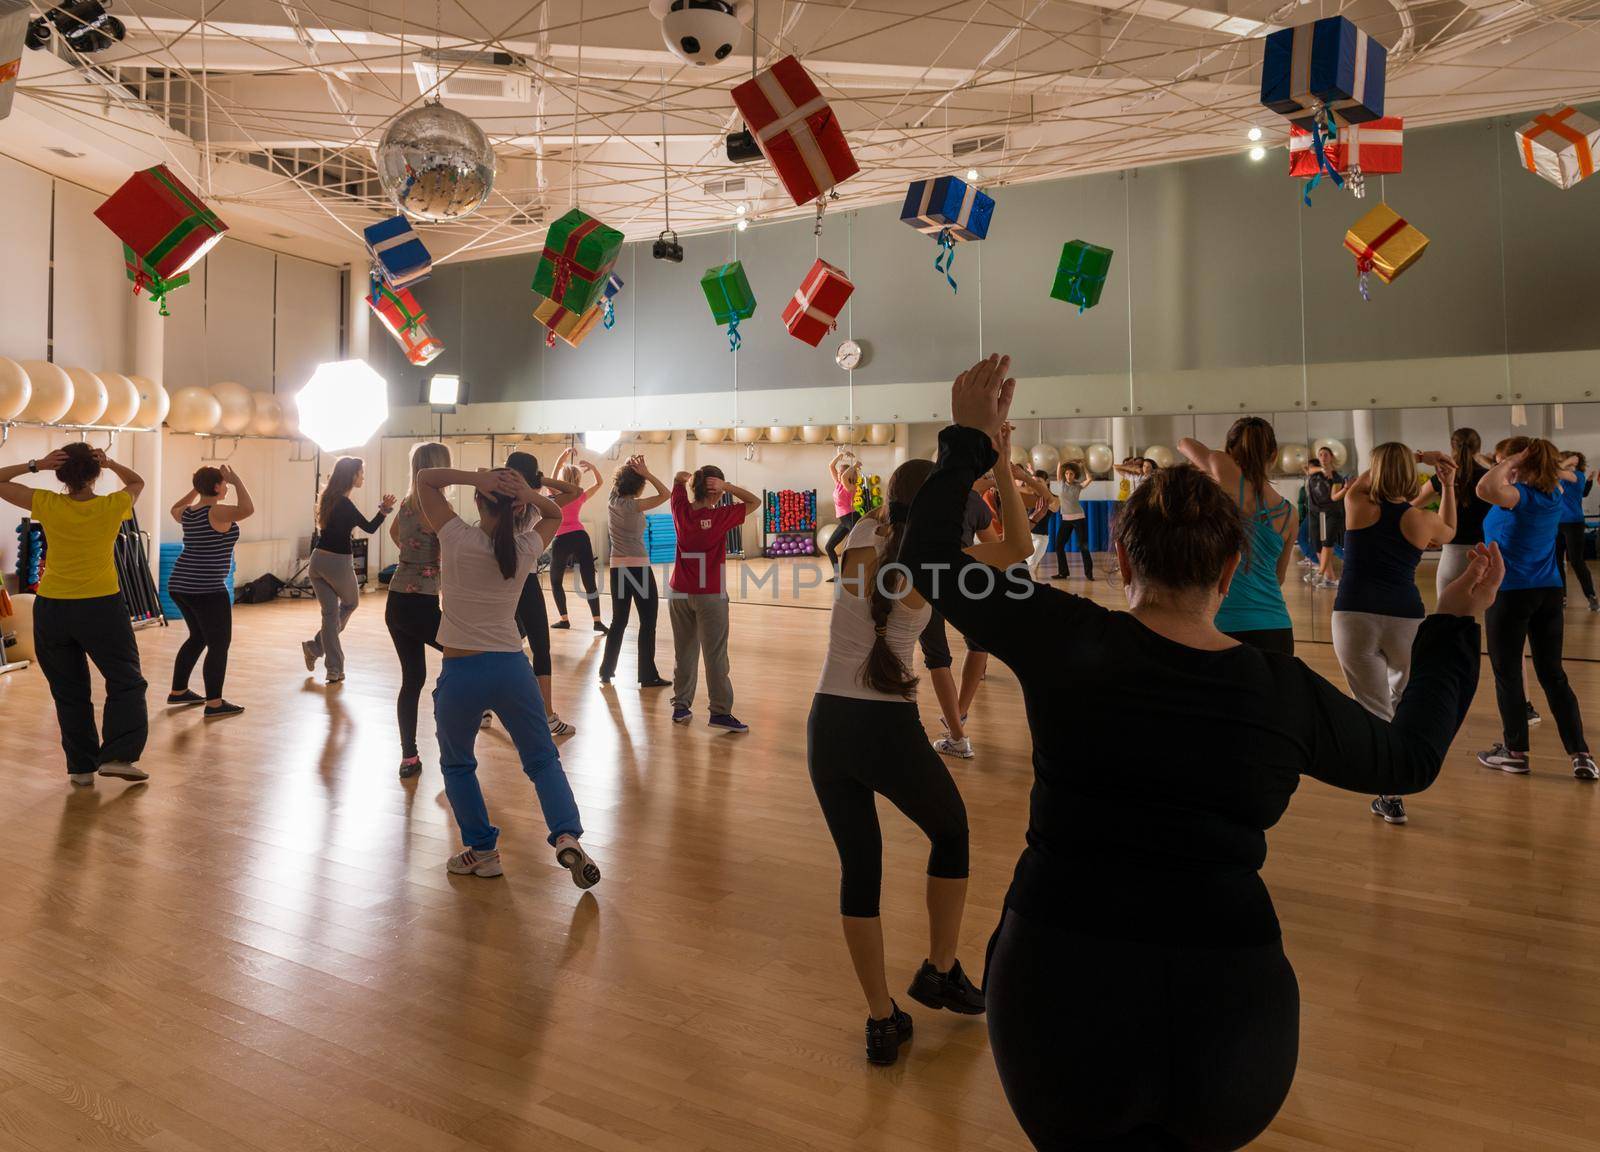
[79,615]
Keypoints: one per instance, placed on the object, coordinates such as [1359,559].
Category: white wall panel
[25,240]
[184,334]
[308,320]
[91,286]
[238,315]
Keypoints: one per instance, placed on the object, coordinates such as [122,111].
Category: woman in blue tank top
[1253,611]
[1378,608]
[1525,489]
[1575,485]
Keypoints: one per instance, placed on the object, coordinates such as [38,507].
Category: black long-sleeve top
[334,536]
[1157,773]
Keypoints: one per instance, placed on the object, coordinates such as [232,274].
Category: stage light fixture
[444,392]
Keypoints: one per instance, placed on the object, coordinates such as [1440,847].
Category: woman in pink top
[572,544]
[846,473]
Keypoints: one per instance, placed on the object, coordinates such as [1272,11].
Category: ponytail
[884,671]
[503,536]
[1465,446]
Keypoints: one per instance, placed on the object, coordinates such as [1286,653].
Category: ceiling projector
[702,32]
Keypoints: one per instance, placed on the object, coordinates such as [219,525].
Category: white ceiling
[305,88]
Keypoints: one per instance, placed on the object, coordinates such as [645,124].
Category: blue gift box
[613,285]
[948,202]
[608,297]
[1329,63]
[400,255]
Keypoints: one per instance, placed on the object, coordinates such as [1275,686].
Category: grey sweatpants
[1375,653]
[700,630]
[333,579]
[1453,561]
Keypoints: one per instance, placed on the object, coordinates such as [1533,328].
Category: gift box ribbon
[395,241]
[1321,148]
[1556,122]
[795,120]
[1081,278]
[1300,70]
[566,260]
[946,259]
[383,295]
[146,280]
[1366,257]
[734,339]
[199,217]
[806,310]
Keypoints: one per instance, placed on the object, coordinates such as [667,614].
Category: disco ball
[436,164]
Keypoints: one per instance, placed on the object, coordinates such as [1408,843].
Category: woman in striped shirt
[198,585]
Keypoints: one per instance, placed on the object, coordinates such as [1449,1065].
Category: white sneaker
[571,856]
[961,749]
[82,779]
[123,770]
[1311,577]
[469,862]
[558,726]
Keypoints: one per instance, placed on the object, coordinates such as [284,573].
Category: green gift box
[728,292]
[1081,276]
[578,255]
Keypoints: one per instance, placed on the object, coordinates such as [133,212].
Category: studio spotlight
[85,25]
[444,393]
[742,148]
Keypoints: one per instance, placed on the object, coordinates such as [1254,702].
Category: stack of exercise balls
[791,523]
[44,393]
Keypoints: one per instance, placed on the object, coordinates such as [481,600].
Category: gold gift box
[1383,238]
[570,326]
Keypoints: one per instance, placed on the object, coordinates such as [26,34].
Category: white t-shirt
[851,632]
[478,604]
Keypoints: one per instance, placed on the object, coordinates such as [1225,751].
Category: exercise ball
[746,435]
[880,434]
[780,434]
[15,389]
[846,434]
[236,408]
[655,436]
[52,392]
[1098,458]
[1019,455]
[1341,455]
[1045,458]
[710,435]
[122,399]
[1071,452]
[1161,455]
[814,434]
[194,410]
[89,398]
[1292,459]
[266,414]
[153,403]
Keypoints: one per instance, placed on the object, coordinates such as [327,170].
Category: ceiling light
[1258,153]
[343,405]
[444,391]
[1254,134]
[743,223]
[601,441]
[740,209]
[972,175]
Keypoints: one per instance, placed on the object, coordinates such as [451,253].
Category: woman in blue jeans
[482,569]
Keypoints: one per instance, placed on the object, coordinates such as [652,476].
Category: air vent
[65,153]
[978,145]
[732,186]
[476,81]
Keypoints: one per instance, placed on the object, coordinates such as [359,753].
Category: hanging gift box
[1329,66]
[1081,274]
[728,292]
[1383,242]
[573,327]
[1560,145]
[949,209]
[578,255]
[796,130]
[813,311]
[398,252]
[400,313]
[1361,150]
[168,227]
[14,16]
[144,279]
[608,299]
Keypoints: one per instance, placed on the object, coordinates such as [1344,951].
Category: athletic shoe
[1327,582]
[334,678]
[950,989]
[1061,576]
[571,856]
[410,767]
[82,779]
[222,711]
[311,657]
[729,721]
[1501,757]
[962,748]
[605,681]
[485,720]
[1594,604]
[655,682]
[1391,808]
[884,1037]
[184,699]
[681,715]
[1311,577]
[558,726]
[562,624]
[1533,717]
[470,862]
[122,770]
[1583,767]
[600,627]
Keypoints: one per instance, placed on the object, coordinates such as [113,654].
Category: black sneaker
[655,682]
[1391,808]
[599,627]
[1584,768]
[410,768]
[1533,717]
[884,1037]
[950,989]
[562,624]
[222,711]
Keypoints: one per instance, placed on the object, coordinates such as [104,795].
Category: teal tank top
[1255,598]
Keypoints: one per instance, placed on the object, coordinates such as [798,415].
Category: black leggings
[1534,616]
[629,586]
[840,533]
[413,620]
[209,616]
[1064,531]
[1267,639]
[568,549]
[1109,1044]
[533,621]
[859,748]
[1569,546]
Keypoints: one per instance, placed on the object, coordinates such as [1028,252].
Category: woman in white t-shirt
[482,569]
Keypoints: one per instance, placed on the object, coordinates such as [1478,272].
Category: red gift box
[813,310]
[167,226]
[796,130]
[1375,147]
[405,320]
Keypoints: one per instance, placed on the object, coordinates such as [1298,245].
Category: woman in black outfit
[198,585]
[411,609]
[332,569]
[1138,995]
[533,618]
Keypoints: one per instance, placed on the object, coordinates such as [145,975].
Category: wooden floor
[261,950]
